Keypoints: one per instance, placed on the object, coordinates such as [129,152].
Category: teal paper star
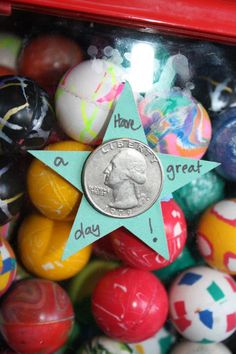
[89,224]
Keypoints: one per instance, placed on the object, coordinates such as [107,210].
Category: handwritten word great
[120,122]
[173,170]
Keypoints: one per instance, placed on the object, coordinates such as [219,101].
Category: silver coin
[122,178]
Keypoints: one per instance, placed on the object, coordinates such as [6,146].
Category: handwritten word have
[120,122]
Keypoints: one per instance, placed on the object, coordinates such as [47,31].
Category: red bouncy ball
[130,305]
[46,58]
[36,317]
[137,254]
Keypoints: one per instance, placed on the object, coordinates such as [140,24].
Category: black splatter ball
[11,190]
[214,77]
[215,88]
[26,116]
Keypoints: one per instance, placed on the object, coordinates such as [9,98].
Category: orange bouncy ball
[41,243]
[51,194]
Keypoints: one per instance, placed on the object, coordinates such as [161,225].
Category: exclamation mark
[151,230]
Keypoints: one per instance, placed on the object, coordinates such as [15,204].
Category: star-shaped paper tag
[124,144]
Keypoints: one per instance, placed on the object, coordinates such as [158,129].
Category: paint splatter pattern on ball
[11,191]
[83,106]
[7,266]
[26,117]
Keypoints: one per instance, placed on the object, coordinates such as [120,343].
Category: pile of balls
[117,296]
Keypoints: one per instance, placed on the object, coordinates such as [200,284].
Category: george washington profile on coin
[122,178]
[125,171]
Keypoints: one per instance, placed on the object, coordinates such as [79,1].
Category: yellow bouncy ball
[51,194]
[216,235]
[41,243]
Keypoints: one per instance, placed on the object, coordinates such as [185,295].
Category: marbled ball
[7,266]
[84,99]
[216,235]
[176,124]
[198,348]
[36,317]
[26,115]
[41,244]
[199,194]
[129,304]
[223,144]
[11,190]
[203,305]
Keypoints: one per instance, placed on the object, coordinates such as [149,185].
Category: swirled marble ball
[216,235]
[11,190]
[7,266]
[36,317]
[84,98]
[26,116]
[203,305]
[176,124]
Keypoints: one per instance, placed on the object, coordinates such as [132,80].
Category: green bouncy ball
[199,194]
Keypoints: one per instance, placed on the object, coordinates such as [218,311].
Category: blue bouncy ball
[222,147]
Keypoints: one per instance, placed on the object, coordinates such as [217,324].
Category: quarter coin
[122,178]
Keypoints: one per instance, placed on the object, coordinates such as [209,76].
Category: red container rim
[211,19]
